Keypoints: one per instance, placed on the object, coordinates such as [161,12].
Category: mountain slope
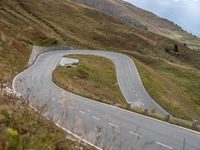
[143,19]
[60,22]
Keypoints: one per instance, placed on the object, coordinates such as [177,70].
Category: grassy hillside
[140,18]
[95,78]
[13,58]
[63,22]
[174,87]
[31,131]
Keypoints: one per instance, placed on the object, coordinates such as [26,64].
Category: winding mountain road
[105,126]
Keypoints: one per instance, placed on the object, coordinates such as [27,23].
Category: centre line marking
[113,125]
[82,112]
[93,117]
[135,134]
[163,145]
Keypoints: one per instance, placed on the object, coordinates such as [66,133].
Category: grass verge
[31,131]
[94,78]
[174,87]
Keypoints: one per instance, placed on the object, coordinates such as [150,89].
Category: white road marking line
[96,118]
[131,132]
[82,112]
[78,137]
[163,145]
[113,125]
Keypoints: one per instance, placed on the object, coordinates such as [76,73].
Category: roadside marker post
[194,124]
[167,118]
[129,106]
[146,111]
[114,102]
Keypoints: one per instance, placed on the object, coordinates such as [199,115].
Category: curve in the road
[106,126]
[128,79]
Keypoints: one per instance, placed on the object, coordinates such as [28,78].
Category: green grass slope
[95,78]
[175,87]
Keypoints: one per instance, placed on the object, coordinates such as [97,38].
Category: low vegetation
[94,78]
[71,24]
[31,131]
[13,58]
[142,19]
[175,88]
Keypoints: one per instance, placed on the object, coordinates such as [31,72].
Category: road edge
[69,132]
[140,115]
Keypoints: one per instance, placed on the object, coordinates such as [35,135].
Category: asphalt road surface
[105,126]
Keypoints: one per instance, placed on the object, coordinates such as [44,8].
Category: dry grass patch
[94,78]
[174,87]
[31,131]
[13,58]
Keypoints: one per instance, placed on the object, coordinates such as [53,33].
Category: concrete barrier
[36,51]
